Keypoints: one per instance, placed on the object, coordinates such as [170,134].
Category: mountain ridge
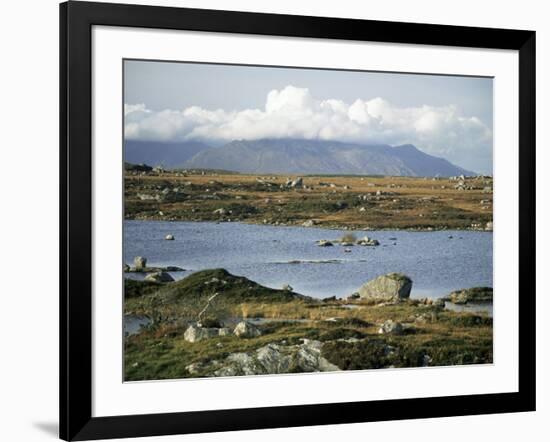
[298,156]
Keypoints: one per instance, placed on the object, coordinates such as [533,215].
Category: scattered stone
[245,329]
[169,237]
[366,241]
[298,183]
[196,333]
[391,327]
[324,243]
[159,277]
[391,287]
[140,262]
[308,223]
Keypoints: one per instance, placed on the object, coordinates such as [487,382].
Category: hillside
[291,156]
[158,153]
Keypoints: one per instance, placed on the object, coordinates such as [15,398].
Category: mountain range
[294,156]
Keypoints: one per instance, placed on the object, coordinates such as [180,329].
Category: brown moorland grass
[330,201]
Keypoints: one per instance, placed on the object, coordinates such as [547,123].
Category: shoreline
[316,226]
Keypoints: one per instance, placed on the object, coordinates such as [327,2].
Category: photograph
[291,220]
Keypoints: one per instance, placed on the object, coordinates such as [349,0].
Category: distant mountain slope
[291,156]
[158,153]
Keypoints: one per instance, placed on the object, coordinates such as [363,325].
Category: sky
[445,116]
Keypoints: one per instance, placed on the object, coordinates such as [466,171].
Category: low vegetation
[350,337]
[357,202]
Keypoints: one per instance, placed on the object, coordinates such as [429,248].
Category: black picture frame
[76,21]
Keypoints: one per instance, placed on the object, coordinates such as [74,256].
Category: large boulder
[246,330]
[140,262]
[159,277]
[391,287]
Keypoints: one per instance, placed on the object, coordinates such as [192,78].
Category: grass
[403,203]
[161,352]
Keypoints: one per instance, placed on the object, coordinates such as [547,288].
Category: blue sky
[446,116]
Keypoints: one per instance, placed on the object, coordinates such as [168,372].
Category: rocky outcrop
[472,295]
[392,287]
[245,329]
[274,359]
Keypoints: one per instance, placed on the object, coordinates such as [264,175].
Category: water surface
[274,255]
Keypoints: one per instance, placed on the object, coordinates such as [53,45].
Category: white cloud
[294,113]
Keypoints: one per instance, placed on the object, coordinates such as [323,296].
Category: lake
[437,262]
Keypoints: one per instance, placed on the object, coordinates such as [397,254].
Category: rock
[426,360]
[140,262]
[195,367]
[220,211]
[224,331]
[298,183]
[126,268]
[473,295]
[195,333]
[489,226]
[169,237]
[391,287]
[366,241]
[274,359]
[324,243]
[354,296]
[159,277]
[287,288]
[246,330]
[391,327]
[308,223]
